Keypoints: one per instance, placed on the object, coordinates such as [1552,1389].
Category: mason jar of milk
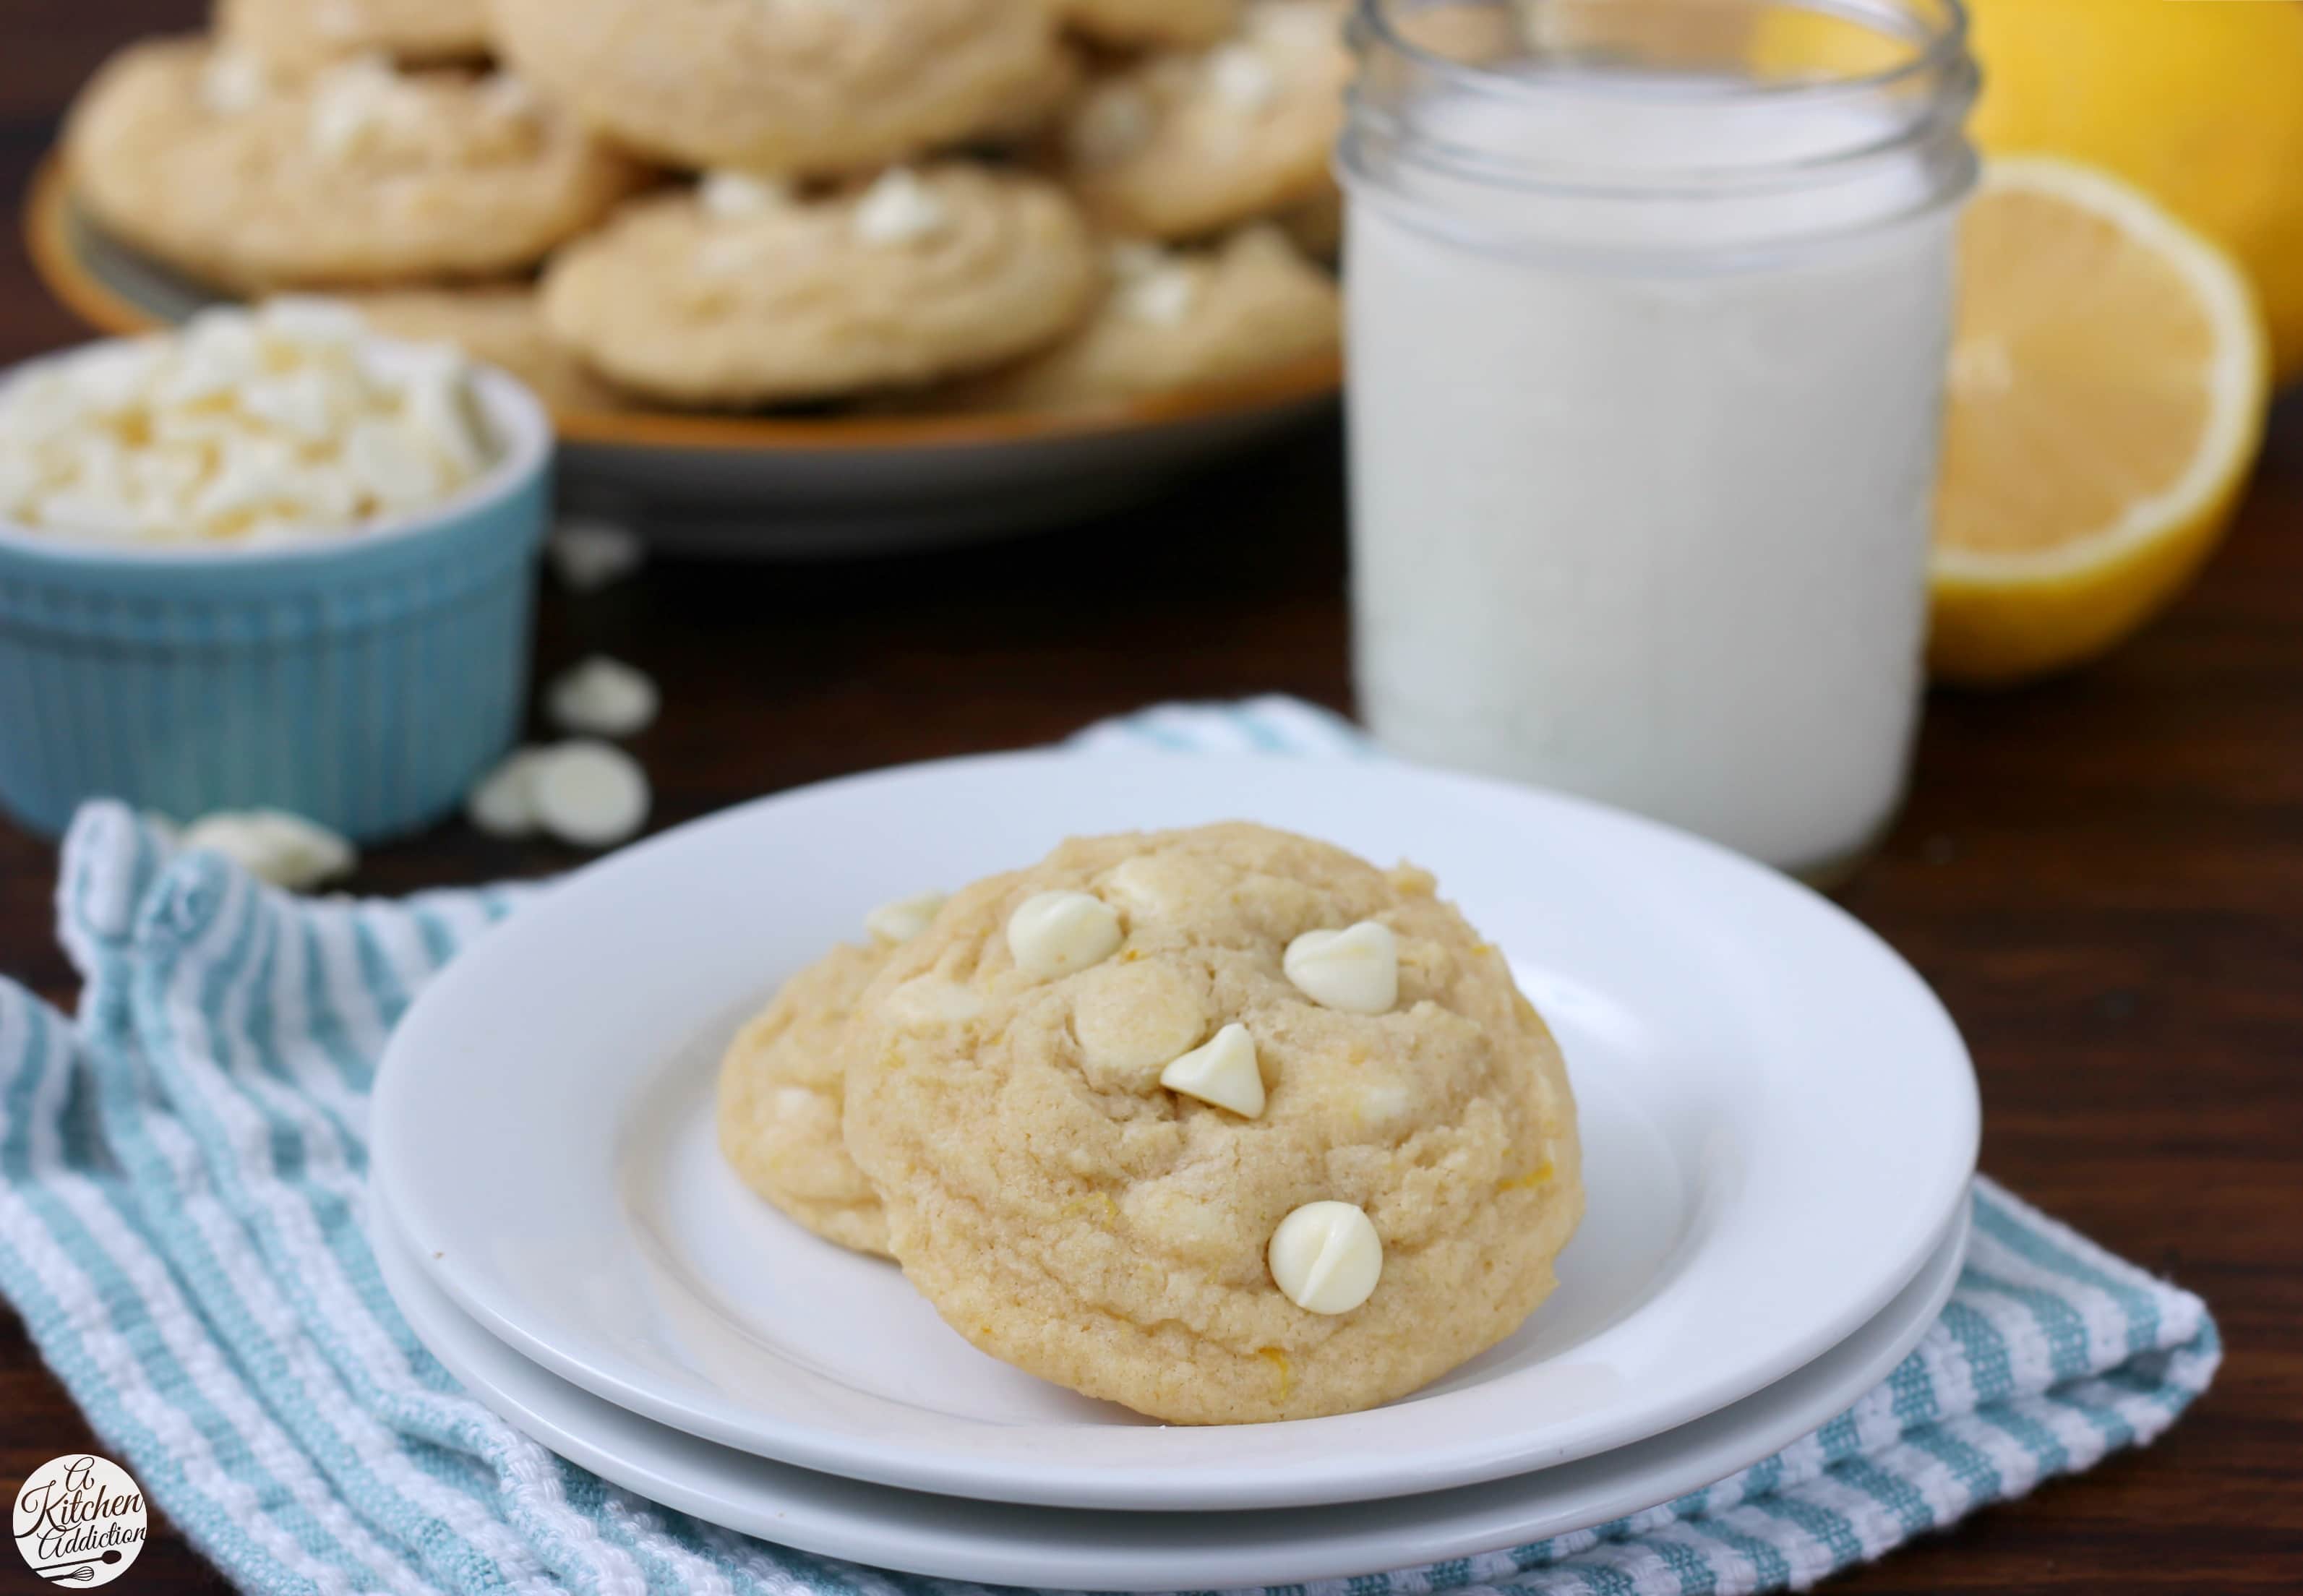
[1649,310]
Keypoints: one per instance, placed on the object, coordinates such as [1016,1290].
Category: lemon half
[2110,376]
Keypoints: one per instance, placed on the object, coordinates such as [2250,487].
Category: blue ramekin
[364,680]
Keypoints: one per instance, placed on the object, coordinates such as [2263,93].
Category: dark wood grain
[2104,876]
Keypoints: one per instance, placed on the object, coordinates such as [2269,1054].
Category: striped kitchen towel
[180,1226]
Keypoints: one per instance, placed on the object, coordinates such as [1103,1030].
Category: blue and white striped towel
[180,1225]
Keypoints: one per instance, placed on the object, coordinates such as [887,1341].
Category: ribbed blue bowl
[364,680]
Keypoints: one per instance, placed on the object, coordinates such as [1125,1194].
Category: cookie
[1172,320]
[294,35]
[359,175]
[737,294]
[501,323]
[1131,23]
[780,1097]
[1184,144]
[1088,1178]
[781,86]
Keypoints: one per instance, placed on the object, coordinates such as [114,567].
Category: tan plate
[777,486]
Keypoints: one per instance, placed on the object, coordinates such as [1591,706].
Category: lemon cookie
[358,176]
[1182,144]
[293,35]
[780,1097]
[1131,22]
[1226,1124]
[1175,319]
[500,324]
[741,295]
[785,85]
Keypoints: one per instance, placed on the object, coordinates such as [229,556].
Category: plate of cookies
[793,277]
[1035,1129]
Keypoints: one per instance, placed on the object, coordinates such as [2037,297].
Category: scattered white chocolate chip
[1112,126]
[1355,970]
[503,803]
[1326,1257]
[730,196]
[899,208]
[1223,1072]
[588,555]
[232,81]
[272,844]
[591,794]
[1054,934]
[904,919]
[1242,78]
[602,698]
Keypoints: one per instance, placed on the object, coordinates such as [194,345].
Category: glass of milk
[1649,307]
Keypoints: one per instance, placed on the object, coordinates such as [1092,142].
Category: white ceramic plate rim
[1450,1438]
[1001,1544]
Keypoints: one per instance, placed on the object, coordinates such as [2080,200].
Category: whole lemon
[2199,103]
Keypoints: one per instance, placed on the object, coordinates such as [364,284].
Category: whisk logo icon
[79,1521]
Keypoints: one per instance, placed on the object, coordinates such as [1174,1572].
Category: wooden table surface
[2103,877]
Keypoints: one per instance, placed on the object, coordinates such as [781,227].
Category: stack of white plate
[1779,1124]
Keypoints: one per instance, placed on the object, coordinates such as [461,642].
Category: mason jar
[1649,312]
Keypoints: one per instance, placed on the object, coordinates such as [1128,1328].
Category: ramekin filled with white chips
[264,560]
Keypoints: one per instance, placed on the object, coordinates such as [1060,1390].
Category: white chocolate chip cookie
[1075,1200]
[918,276]
[1127,23]
[1172,320]
[295,35]
[780,1095]
[1182,143]
[786,85]
[499,323]
[359,175]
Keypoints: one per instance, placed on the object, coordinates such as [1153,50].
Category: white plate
[1779,1121]
[1070,1550]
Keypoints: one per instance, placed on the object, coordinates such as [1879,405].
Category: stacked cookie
[1226,1124]
[957,204]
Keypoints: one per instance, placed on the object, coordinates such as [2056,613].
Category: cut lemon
[2109,379]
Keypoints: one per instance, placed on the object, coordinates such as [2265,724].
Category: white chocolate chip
[591,794]
[590,556]
[1326,1257]
[355,105]
[503,803]
[286,849]
[927,1003]
[732,196]
[602,698]
[904,919]
[1164,298]
[1355,970]
[1242,78]
[232,81]
[899,208]
[1054,934]
[1223,1072]
[1110,128]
